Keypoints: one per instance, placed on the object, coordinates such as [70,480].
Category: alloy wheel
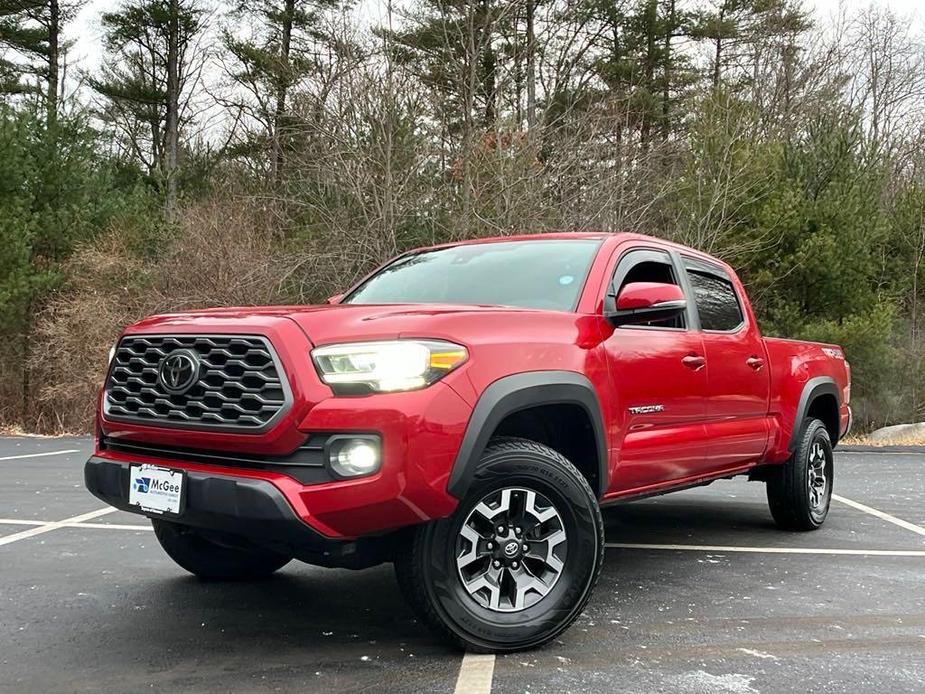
[818,478]
[511,549]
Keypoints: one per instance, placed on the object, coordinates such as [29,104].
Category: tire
[212,561]
[800,492]
[536,594]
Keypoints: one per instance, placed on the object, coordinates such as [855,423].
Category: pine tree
[32,30]
[733,27]
[152,61]
[639,63]
[287,46]
[453,47]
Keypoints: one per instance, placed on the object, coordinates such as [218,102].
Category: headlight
[383,367]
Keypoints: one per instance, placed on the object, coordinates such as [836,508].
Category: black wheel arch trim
[523,391]
[812,389]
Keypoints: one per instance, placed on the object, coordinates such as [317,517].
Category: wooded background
[269,152]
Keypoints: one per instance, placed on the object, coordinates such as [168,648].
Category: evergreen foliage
[325,146]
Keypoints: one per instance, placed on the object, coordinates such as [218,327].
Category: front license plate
[156,489]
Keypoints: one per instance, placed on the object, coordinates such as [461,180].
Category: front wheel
[514,566]
[211,560]
[800,491]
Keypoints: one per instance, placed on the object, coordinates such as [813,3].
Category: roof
[616,237]
[542,236]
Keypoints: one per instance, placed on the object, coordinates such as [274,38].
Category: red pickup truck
[463,412]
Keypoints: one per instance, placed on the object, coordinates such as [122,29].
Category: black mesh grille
[238,386]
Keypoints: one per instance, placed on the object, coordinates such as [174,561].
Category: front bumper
[250,509]
[420,433]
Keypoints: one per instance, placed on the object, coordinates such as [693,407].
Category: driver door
[659,378]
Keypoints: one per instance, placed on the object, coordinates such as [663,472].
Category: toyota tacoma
[464,412]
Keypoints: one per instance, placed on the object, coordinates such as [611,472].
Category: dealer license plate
[156,489]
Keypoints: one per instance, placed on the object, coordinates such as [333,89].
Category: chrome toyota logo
[178,371]
[511,548]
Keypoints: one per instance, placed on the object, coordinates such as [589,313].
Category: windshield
[544,274]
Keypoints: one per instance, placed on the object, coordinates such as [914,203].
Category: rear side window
[715,295]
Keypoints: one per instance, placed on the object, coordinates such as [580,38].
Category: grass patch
[897,441]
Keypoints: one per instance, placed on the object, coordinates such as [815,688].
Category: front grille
[239,384]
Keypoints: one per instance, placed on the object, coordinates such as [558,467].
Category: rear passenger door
[738,381]
[659,379]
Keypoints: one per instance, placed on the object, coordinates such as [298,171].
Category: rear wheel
[514,566]
[800,491]
[211,560]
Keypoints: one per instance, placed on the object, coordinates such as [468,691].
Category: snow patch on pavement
[702,682]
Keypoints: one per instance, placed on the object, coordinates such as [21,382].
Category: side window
[645,265]
[715,296]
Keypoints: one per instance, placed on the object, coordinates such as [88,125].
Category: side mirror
[642,302]
[334,299]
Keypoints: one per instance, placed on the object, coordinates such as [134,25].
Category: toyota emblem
[178,371]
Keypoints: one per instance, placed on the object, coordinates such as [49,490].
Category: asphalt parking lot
[699,593]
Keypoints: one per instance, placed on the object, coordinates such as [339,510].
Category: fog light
[353,456]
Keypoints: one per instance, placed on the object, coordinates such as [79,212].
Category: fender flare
[812,389]
[520,392]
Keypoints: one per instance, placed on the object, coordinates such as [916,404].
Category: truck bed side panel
[794,365]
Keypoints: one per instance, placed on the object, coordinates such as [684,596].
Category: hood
[332,323]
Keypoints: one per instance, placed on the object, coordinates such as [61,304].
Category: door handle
[694,361]
[755,362]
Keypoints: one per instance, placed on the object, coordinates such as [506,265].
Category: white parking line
[78,522]
[880,514]
[475,674]
[880,452]
[65,524]
[48,527]
[17,521]
[39,455]
[108,526]
[773,550]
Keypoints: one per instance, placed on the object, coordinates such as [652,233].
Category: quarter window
[715,295]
